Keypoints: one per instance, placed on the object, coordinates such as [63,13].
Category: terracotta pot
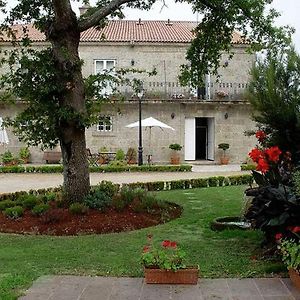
[224,160]
[175,159]
[295,278]
[182,276]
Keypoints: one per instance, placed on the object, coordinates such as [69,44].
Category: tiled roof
[133,31]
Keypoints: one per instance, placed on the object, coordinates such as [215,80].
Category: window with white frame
[105,124]
[105,65]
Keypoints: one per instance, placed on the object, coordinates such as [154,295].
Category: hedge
[248,167]
[158,185]
[100,169]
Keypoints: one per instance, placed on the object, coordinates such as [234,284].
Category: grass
[219,254]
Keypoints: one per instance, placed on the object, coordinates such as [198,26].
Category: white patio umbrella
[150,123]
[3,135]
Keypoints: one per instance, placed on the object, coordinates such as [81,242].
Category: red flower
[261,135]
[256,154]
[262,166]
[278,236]
[166,243]
[295,229]
[273,154]
[146,249]
[173,244]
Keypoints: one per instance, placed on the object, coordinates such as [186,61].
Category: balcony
[173,91]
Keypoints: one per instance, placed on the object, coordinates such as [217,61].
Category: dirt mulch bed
[59,221]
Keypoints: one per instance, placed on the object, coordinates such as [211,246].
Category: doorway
[201,138]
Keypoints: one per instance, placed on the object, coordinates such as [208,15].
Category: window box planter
[295,278]
[181,276]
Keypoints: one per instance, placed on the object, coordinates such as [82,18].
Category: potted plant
[24,154]
[290,250]
[131,156]
[165,264]
[103,157]
[224,159]
[8,159]
[175,158]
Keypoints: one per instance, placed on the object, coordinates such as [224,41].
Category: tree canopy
[60,101]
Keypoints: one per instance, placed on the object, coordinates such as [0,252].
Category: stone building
[221,115]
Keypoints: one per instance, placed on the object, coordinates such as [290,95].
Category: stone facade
[231,114]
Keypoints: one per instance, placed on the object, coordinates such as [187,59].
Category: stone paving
[108,288]
[24,182]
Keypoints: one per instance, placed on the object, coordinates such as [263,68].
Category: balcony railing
[231,91]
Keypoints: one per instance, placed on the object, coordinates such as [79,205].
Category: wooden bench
[52,157]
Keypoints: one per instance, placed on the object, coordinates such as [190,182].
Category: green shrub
[120,155]
[127,195]
[177,184]
[14,212]
[98,199]
[48,197]
[28,201]
[118,203]
[40,209]
[24,153]
[247,167]
[117,163]
[7,157]
[220,180]
[198,183]
[175,147]
[213,181]
[6,204]
[78,209]
[108,187]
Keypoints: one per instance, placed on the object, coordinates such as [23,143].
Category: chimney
[169,23]
[83,9]
[139,22]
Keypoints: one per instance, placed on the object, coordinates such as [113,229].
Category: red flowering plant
[167,255]
[274,207]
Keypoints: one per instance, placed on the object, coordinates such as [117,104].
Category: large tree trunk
[64,36]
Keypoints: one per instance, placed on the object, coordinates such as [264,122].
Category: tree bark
[64,36]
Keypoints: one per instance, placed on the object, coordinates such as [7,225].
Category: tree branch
[103,12]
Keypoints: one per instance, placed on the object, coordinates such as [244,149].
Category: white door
[210,138]
[190,139]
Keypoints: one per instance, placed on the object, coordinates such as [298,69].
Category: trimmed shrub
[213,181]
[248,167]
[108,187]
[6,204]
[199,183]
[40,209]
[120,155]
[14,212]
[98,199]
[28,201]
[78,209]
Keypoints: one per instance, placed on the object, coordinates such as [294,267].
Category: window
[105,65]
[105,124]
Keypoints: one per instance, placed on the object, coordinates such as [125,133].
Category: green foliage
[24,153]
[120,155]
[175,147]
[273,209]
[78,209]
[40,209]
[213,181]
[163,257]
[273,94]
[28,201]
[290,250]
[14,212]
[246,167]
[98,199]
[108,187]
[223,146]
[117,164]
[7,157]
[296,181]
[6,204]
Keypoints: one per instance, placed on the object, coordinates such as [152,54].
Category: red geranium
[278,236]
[261,135]
[146,249]
[262,166]
[169,244]
[273,154]
[294,229]
[256,154]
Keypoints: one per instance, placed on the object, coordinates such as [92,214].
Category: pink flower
[278,236]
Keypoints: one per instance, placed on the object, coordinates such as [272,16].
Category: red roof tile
[132,31]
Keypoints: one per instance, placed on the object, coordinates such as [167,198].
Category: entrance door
[189,139]
[201,138]
[210,138]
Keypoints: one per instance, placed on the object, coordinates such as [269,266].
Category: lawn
[219,254]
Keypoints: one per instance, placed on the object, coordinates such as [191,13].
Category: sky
[289,10]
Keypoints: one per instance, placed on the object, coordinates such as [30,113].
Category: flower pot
[295,277]
[224,160]
[175,159]
[181,276]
